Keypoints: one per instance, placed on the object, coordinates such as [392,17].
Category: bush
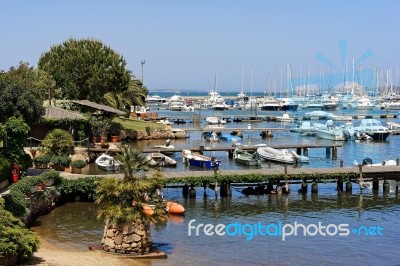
[78,164]
[15,201]
[5,168]
[44,159]
[84,187]
[58,142]
[16,239]
[60,160]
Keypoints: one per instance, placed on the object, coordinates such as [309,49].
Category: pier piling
[375,184]
[185,191]
[349,187]
[192,192]
[386,186]
[225,190]
[314,187]
[339,185]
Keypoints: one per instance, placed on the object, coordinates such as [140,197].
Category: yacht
[155,99]
[374,129]
[329,131]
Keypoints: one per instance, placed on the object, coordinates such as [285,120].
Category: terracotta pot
[94,140]
[103,141]
[115,139]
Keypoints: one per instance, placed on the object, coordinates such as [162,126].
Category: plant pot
[103,141]
[115,139]
[94,140]
[67,169]
[76,170]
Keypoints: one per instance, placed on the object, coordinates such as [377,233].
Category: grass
[136,124]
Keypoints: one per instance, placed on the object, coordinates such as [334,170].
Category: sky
[186,44]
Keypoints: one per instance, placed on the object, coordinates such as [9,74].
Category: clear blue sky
[184,43]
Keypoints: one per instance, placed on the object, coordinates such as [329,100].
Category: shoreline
[54,255]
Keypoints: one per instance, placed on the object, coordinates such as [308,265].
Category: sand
[52,255]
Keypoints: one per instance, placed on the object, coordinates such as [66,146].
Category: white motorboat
[329,131]
[374,129]
[317,115]
[107,162]
[159,159]
[283,156]
[215,120]
[211,136]
[284,118]
[305,128]
[165,149]
[368,162]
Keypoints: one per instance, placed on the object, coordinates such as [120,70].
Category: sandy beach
[53,255]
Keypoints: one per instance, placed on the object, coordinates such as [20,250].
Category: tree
[22,93]
[16,136]
[135,95]
[128,205]
[58,142]
[85,69]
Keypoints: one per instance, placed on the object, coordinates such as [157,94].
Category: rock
[118,238]
[110,243]
[127,229]
[126,246]
[140,232]
[110,233]
[77,157]
[180,135]
[134,245]
[132,238]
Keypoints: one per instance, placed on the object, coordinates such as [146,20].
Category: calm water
[77,220]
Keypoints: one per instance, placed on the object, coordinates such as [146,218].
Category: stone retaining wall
[130,238]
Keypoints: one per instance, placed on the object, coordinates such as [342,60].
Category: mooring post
[192,191]
[386,185]
[298,151]
[314,187]
[375,184]
[341,163]
[328,152]
[185,191]
[205,187]
[304,187]
[334,153]
[225,190]
[340,185]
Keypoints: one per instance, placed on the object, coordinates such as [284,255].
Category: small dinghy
[107,162]
[159,159]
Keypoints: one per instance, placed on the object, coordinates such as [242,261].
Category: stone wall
[130,238]
[41,202]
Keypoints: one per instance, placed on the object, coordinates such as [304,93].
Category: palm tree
[133,96]
[129,204]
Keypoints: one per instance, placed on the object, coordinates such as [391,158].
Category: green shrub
[15,238]
[5,168]
[58,142]
[60,160]
[15,201]
[82,186]
[78,164]
[43,159]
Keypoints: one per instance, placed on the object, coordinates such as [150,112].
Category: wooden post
[341,163]
[349,187]
[328,152]
[386,186]
[185,191]
[225,190]
[192,191]
[216,182]
[314,187]
[340,185]
[334,153]
[298,151]
[375,184]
